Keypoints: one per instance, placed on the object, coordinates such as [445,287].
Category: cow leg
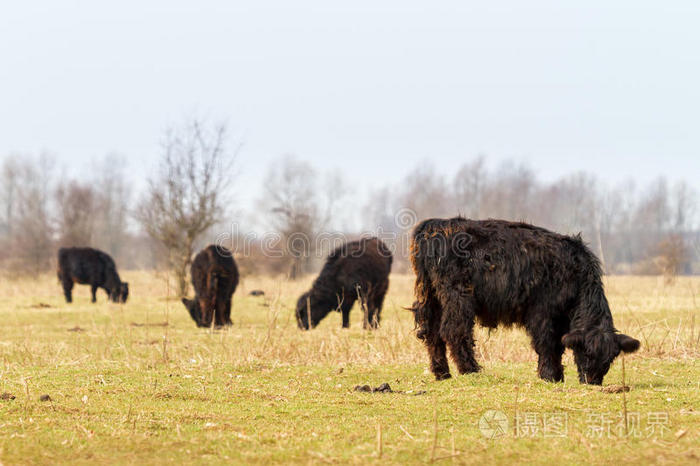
[68,290]
[429,331]
[366,310]
[345,307]
[227,310]
[549,365]
[207,310]
[375,302]
[93,292]
[372,316]
[457,327]
[438,358]
[547,344]
[219,312]
[346,318]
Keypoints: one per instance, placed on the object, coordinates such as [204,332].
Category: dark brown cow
[215,278]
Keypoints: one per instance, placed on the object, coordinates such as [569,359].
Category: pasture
[139,383]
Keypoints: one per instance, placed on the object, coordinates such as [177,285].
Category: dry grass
[139,383]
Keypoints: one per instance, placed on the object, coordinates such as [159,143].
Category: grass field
[139,383]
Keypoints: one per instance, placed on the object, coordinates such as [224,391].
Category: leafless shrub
[673,258]
[188,194]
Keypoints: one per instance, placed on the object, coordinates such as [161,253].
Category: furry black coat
[355,269]
[88,266]
[508,273]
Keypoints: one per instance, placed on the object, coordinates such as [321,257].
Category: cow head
[595,350]
[123,292]
[118,292]
[195,310]
[310,310]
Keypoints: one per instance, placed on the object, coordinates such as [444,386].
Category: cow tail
[418,259]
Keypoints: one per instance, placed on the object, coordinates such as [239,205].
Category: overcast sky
[373,87]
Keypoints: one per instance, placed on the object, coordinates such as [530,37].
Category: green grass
[128,389]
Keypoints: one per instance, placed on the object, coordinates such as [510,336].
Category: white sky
[373,87]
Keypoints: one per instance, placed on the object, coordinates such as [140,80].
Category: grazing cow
[355,268]
[88,266]
[507,273]
[215,278]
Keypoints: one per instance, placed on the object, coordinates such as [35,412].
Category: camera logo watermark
[493,424]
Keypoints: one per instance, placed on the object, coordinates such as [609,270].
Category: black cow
[88,266]
[507,273]
[215,278]
[355,268]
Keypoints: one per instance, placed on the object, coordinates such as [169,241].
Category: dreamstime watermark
[396,239]
[495,424]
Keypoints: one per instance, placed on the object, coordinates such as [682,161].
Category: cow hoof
[471,370]
[443,376]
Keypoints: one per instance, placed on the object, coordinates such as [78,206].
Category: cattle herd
[493,272]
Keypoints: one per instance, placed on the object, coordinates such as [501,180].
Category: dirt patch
[149,342]
[40,306]
[567,390]
[257,293]
[44,398]
[155,324]
[385,388]
[76,329]
[6,396]
[615,389]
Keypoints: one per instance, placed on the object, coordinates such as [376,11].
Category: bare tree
[469,184]
[112,216]
[297,211]
[511,192]
[10,173]
[29,235]
[424,192]
[189,193]
[684,207]
[673,257]
[76,207]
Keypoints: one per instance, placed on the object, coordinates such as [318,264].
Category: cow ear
[573,339]
[627,343]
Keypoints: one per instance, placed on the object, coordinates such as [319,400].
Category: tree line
[649,229]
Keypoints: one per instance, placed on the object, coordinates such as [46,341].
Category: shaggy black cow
[355,268]
[88,266]
[507,273]
[215,278]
